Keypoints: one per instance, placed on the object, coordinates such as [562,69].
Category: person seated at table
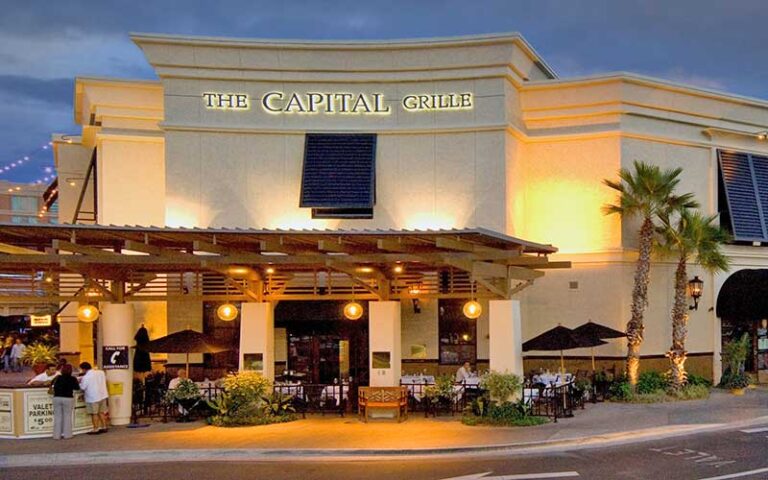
[45,378]
[181,374]
[463,373]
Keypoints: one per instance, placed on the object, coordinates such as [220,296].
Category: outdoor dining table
[290,388]
[331,392]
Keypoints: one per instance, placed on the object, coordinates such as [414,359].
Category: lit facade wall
[527,159]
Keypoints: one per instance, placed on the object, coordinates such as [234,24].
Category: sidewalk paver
[334,433]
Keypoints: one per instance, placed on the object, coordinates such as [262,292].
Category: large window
[339,175]
[24,204]
[458,342]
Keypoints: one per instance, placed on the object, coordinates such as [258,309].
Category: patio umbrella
[560,338]
[141,360]
[592,329]
[185,341]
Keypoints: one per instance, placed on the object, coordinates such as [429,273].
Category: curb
[309,455]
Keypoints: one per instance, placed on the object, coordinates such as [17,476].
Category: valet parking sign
[114,357]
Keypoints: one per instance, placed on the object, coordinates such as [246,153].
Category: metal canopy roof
[60,262]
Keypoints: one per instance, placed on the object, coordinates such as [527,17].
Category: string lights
[24,159]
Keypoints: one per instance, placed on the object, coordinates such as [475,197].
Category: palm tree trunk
[639,301]
[677,353]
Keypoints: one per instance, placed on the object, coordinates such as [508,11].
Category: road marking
[737,475]
[520,476]
[755,430]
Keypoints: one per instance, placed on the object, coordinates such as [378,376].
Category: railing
[553,401]
[318,397]
[419,399]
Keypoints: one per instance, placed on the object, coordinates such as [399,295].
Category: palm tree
[691,236]
[646,193]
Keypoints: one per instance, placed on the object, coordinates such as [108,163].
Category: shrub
[620,389]
[39,352]
[501,386]
[278,404]
[442,389]
[186,390]
[507,414]
[698,380]
[243,401]
[691,392]
[651,382]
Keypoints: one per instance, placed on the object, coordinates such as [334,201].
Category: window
[458,334]
[339,175]
[743,200]
[24,204]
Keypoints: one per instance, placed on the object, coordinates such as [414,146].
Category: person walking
[63,386]
[94,386]
[17,353]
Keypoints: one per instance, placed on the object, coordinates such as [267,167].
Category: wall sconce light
[694,290]
[416,305]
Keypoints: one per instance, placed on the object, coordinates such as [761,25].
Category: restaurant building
[409,176]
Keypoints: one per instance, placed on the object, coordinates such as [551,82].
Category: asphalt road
[723,455]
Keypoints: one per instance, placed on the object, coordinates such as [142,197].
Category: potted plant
[39,355]
[186,395]
[440,395]
[734,355]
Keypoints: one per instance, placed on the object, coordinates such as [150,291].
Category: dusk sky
[44,44]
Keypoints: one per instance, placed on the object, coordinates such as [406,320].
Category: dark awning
[744,179]
[744,296]
[339,171]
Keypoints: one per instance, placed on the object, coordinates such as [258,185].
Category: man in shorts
[93,383]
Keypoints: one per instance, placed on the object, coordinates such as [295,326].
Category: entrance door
[323,346]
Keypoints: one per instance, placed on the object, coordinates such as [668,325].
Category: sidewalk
[334,436]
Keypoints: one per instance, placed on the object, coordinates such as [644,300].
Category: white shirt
[18,350]
[94,386]
[174,383]
[462,374]
[42,378]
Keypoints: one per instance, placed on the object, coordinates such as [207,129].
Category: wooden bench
[382,398]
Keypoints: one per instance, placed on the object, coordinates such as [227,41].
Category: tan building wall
[527,160]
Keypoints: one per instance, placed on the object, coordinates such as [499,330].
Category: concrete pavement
[333,437]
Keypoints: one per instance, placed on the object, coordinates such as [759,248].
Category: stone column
[257,338]
[505,331]
[383,339]
[116,324]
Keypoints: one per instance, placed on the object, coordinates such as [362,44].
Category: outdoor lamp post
[694,290]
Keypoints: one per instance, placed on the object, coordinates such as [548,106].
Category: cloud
[680,75]
[55,91]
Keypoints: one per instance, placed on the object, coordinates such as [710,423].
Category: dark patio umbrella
[185,341]
[560,338]
[592,329]
[141,360]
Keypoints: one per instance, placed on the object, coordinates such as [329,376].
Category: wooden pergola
[48,264]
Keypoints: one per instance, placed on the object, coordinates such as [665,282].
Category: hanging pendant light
[353,310]
[87,313]
[227,312]
[472,309]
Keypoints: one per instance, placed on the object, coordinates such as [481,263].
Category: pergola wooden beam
[61,245]
[14,250]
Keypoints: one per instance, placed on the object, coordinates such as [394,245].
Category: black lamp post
[694,290]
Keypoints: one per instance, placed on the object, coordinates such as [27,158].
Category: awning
[59,262]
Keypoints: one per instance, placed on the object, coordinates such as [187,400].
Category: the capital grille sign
[338,103]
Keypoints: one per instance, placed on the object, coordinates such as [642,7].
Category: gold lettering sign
[339,103]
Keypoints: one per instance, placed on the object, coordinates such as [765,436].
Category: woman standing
[63,402]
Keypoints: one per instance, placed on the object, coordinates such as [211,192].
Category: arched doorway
[742,306]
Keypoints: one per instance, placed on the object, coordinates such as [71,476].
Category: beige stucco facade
[526,159]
